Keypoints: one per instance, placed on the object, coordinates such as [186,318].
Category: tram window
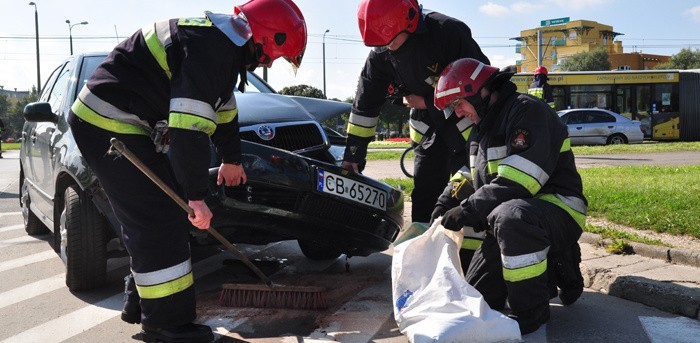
[591,96]
[624,101]
[665,97]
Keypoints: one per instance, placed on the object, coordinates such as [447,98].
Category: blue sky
[648,26]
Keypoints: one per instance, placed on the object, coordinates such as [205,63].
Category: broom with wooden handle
[240,295]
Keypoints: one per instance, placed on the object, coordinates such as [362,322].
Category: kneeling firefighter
[170,87]
[527,194]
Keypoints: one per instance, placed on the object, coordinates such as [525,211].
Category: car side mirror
[39,112]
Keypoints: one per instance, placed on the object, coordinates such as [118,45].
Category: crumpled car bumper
[282,201]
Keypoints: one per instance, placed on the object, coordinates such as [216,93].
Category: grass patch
[404,183]
[388,155]
[646,147]
[388,145]
[10,146]
[662,199]
[613,234]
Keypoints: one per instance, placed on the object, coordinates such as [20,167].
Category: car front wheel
[82,241]
[314,251]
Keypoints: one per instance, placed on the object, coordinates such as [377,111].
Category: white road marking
[22,240]
[78,321]
[7,214]
[27,260]
[71,324]
[11,228]
[365,314]
[677,330]
[32,290]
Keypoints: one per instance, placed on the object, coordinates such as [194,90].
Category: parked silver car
[598,126]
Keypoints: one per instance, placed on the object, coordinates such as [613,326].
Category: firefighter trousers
[155,230]
[433,165]
[512,262]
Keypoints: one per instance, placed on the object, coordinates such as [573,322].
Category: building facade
[555,40]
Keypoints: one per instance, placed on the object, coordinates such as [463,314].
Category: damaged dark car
[296,189]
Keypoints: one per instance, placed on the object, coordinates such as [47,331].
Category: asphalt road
[35,305]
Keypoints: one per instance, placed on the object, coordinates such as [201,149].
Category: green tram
[666,102]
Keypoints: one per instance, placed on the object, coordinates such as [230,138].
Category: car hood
[256,108]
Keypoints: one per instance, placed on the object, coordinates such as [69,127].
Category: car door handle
[610,126]
[579,128]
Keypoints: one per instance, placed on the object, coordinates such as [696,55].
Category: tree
[14,115]
[595,60]
[303,90]
[685,59]
[392,113]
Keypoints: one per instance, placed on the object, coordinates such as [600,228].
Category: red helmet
[541,70]
[278,27]
[382,20]
[462,78]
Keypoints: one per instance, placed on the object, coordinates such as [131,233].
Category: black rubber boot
[531,320]
[188,333]
[569,278]
[131,313]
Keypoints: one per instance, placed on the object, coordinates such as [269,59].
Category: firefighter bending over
[170,87]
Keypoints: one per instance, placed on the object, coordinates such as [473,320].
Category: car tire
[82,241]
[32,224]
[316,252]
[617,139]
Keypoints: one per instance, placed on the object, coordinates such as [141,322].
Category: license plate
[350,189]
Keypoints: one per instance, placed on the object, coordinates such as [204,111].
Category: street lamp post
[324,64]
[36,27]
[70,32]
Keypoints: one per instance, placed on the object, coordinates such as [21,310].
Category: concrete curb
[671,255]
[632,281]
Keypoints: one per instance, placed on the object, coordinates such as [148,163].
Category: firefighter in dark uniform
[412,48]
[528,195]
[174,81]
[540,88]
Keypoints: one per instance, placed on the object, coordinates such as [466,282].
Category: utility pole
[36,29]
[70,33]
[324,64]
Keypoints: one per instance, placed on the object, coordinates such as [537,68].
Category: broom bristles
[294,297]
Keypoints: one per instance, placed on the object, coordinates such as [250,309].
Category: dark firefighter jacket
[180,70]
[521,150]
[415,66]
[542,90]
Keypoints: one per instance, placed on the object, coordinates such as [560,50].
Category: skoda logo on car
[266,132]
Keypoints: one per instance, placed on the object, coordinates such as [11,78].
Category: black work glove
[437,212]
[454,219]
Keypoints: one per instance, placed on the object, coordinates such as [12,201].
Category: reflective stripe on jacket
[438,41]
[522,150]
[180,70]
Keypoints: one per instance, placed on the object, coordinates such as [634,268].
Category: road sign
[557,21]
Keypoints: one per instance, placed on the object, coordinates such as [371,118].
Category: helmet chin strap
[481,105]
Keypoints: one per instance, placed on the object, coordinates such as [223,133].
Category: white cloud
[493,10]
[578,5]
[524,7]
[501,61]
[694,12]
